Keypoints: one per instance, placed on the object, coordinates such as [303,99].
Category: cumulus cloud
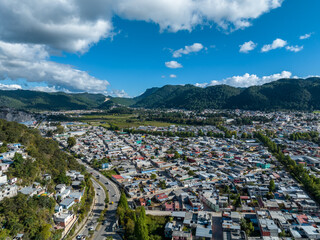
[186,14]
[75,25]
[294,48]
[196,47]
[49,89]
[72,25]
[278,43]
[247,80]
[173,76]
[31,62]
[117,93]
[10,86]
[37,28]
[306,36]
[247,47]
[173,64]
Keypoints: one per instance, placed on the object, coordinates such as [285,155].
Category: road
[97,209]
[114,196]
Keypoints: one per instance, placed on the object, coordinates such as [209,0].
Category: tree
[176,155]
[141,229]
[71,142]
[45,232]
[272,186]
[162,184]
[153,176]
[59,130]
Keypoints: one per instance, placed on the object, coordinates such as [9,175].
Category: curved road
[114,196]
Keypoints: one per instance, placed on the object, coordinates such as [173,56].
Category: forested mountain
[284,94]
[33,100]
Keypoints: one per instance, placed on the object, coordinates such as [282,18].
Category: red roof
[162,196]
[244,197]
[117,176]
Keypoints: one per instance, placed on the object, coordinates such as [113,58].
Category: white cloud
[248,80]
[196,47]
[173,76]
[247,47]
[173,64]
[10,86]
[49,89]
[72,25]
[117,93]
[30,62]
[294,48]
[306,36]
[31,30]
[75,25]
[186,14]
[278,43]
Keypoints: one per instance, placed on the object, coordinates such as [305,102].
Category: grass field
[121,121]
[318,111]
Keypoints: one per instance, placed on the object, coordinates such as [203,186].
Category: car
[81,237]
[111,202]
[104,222]
[113,195]
[98,194]
[91,229]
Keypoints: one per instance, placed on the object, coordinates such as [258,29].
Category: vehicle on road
[98,194]
[81,237]
[104,222]
[111,202]
[91,229]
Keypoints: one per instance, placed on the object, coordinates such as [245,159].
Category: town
[209,185]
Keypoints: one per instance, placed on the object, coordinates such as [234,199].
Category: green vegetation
[246,226]
[71,142]
[310,182]
[297,94]
[308,136]
[97,163]
[31,216]
[289,94]
[46,153]
[109,173]
[33,100]
[137,225]
[272,186]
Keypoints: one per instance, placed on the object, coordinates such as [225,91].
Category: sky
[123,47]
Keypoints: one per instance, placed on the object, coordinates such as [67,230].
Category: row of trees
[310,182]
[137,225]
[308,136]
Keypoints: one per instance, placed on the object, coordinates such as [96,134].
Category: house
[180,235]
[64,218]
[161,197]
[67,203]
[8,191]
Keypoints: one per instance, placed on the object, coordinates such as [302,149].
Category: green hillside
[284,94]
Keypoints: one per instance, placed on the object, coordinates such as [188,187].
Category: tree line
[310,182]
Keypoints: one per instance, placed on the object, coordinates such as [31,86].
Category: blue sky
[132,55]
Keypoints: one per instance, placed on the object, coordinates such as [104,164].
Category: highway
[114,195]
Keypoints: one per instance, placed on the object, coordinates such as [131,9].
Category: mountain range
[283,94]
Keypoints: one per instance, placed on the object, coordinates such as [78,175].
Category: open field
[121,121]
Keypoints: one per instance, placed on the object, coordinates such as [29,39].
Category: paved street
[114,196]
